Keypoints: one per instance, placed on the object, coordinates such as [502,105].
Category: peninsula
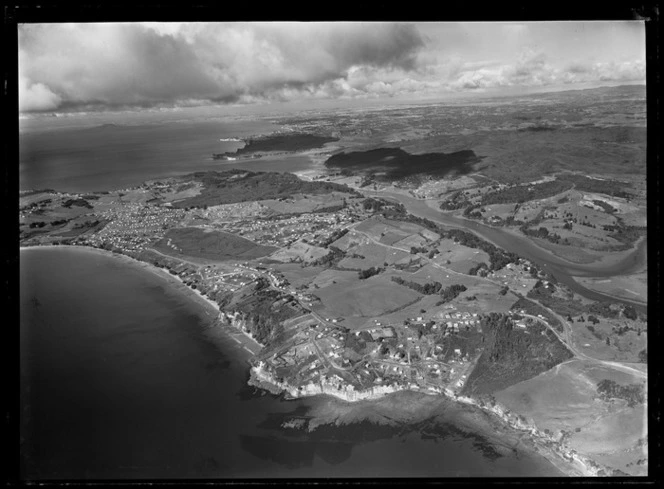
[352,296]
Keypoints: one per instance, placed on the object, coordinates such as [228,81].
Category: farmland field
[461,258]
[374,256]
[305,203]
[371,297]
[624,347]
[296,274]
[299,252]
[565,398]
[391,237]
[211,245]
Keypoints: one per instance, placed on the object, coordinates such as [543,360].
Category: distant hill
[395,163]
[584,95]
[281,143]
[245,186]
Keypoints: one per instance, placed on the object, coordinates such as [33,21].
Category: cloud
[529,69]
[70,65]
[92,66]
[533,69]
[36,97]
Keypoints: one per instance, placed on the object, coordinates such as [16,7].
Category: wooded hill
[233,186]
[512,355]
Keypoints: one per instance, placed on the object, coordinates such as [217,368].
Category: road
[563,270]
[565,339]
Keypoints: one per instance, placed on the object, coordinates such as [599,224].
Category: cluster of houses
[284,232]
[452,322]
[133,226]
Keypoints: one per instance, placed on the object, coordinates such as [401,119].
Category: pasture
[296,274]
[372,255]
[349,240]
[565,398]
[592,342]
[364,298]
[209,244]
[330,277]
[461,258]
[299,252]
[393,236]
[298,203]
[374,227]
[414,240]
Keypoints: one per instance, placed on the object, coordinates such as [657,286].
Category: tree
[630,313]
[369,272]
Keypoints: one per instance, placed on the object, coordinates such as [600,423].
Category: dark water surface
[114,156]
[122,376]
[564,271]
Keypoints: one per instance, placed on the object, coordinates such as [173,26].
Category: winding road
[562,270]
[419,208]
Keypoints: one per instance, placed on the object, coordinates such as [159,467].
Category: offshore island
[396,268]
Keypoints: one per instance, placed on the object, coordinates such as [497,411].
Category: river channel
[562,270]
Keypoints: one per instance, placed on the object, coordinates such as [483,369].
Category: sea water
[111,156]
[124,376]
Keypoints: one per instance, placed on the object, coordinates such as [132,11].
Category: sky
[84,67]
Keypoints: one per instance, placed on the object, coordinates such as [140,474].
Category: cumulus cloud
[88,66]
[141,64]
[36,97]
[533,69]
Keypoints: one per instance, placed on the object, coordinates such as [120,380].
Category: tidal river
[564,271]
[124,376]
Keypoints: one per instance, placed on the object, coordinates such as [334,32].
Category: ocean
[124,376]
[95,154]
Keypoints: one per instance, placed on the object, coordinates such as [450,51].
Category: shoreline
[625,297]
[264,381]
[204,303]
[567,265]
[569,463]
[607,259]
[206,306]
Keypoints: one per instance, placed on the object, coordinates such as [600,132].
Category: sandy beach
[590,258]
[343,412]
[208,307]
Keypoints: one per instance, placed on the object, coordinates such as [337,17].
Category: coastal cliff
[575,464]
[261,377]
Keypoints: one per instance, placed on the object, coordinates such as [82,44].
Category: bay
[123,376]
[111,156]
